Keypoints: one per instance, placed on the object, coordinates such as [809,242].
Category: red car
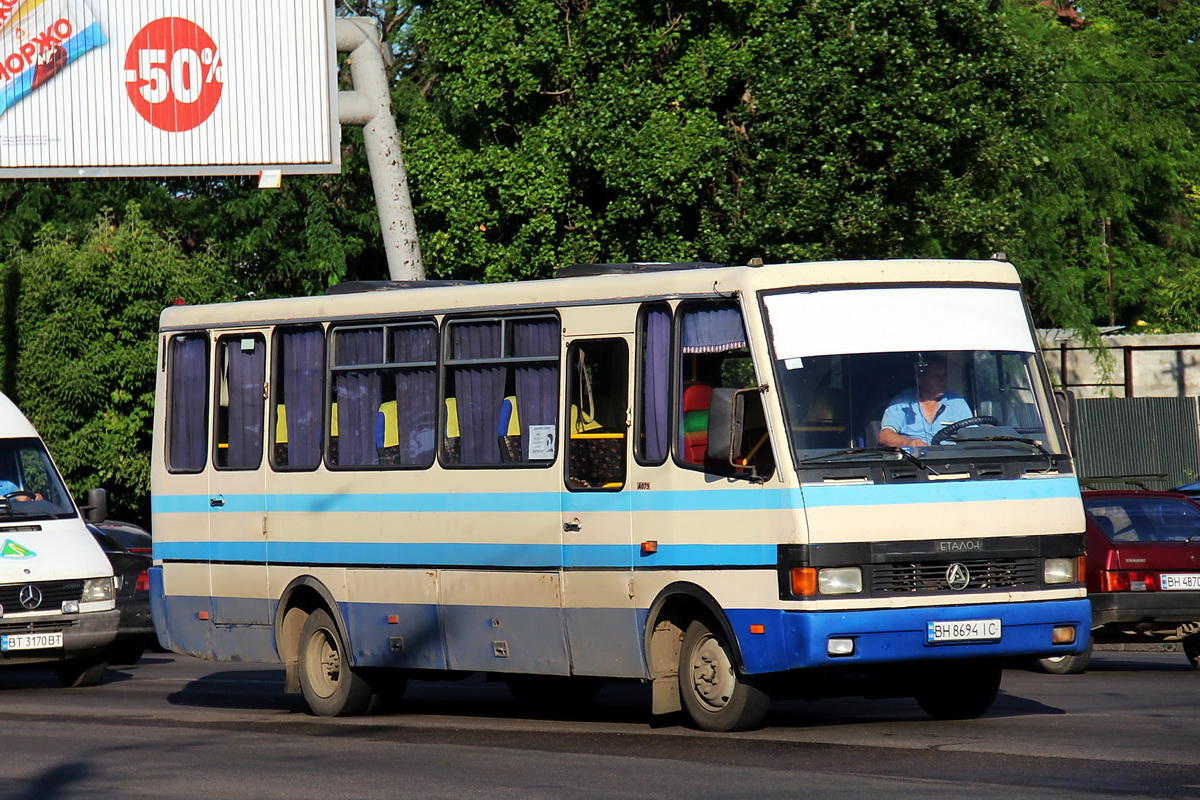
[1143,571]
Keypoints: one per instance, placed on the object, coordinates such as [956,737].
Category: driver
[7,487]
[917,413]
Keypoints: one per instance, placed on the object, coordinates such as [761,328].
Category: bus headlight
[840,580]
[97,589]
[1059,570]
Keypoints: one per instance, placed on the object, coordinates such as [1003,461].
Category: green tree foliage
[541,133]
[87,310]
[1117,183]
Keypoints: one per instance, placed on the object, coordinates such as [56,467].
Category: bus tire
[330,687]
[711,691]
[81,672]
[960,690]
[1066,665]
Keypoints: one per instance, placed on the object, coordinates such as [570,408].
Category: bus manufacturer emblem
[958,577]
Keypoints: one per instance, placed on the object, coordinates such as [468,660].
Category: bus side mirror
[96,510]
[727,426]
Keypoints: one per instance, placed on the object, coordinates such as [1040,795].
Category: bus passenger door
[598,609]
[237,511]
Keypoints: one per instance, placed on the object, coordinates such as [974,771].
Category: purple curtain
[188,446]
[537,383]
[416,392]
[712,329]
[246,375]
[479,389]
[303,394]
[358,394]
[656,370]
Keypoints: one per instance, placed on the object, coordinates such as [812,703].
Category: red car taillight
[1126,580]
[143,581]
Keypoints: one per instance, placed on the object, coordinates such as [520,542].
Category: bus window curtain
[536,383]
[416,393]
[656,369]
[189,406]
[712,329]
[479,390]
[358,394]
[303,391]
[247,375]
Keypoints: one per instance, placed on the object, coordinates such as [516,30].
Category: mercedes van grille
[54,593]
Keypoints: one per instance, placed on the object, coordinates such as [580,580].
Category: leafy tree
[87,311]
[540,133]
[1116,184]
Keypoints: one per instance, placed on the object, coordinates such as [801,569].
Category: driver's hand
[915,442]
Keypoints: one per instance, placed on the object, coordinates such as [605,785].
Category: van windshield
[30,487]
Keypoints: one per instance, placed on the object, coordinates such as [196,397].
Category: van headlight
[95,589]
[1059,570]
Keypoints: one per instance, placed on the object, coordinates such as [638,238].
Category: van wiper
[896,452]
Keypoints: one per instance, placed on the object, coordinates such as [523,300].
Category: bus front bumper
[809,639]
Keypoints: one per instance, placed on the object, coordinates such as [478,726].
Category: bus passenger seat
[508,430]
[697,399]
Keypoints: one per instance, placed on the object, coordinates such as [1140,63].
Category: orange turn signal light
[804,581]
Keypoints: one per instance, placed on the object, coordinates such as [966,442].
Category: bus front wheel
[331,688]
[711,691]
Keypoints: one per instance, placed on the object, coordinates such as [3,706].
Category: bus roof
[688,281]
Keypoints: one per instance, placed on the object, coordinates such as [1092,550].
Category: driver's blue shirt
[7,486]
[903,415]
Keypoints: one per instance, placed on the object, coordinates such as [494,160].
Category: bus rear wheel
[331,688]
[711,691]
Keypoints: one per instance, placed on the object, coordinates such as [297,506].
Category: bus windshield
[30,487]
[956,402]
[858,370]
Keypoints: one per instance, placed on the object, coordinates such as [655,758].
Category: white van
[57,603]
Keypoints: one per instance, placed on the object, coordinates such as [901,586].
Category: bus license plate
[30,641]
[1176,582]
[962,630]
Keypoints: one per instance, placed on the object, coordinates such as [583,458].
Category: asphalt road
[177,727]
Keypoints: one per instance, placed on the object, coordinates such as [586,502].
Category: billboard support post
[369,105]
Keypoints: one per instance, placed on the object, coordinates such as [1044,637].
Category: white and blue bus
[677,473]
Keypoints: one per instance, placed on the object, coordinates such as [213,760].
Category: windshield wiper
[853,451]
[1034,443]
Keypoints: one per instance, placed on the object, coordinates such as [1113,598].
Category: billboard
[94,88]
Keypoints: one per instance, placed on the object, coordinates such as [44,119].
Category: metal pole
[370,106]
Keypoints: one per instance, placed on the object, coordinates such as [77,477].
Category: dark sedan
[128,549]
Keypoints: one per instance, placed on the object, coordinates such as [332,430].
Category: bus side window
[501,388]
[383,403]
[713,354]
[187,403]
[298,387]
[241,377]
[654,385]
[598,396]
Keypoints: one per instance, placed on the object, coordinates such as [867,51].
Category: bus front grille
[935,576]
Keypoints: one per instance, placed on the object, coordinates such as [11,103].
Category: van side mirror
[96,510]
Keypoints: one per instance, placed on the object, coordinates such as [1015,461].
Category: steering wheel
[955,427]
[21,493]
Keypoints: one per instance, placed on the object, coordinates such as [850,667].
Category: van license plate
[1176,582]
[962,630]
[30,641]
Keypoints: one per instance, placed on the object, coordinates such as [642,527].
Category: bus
[672,473]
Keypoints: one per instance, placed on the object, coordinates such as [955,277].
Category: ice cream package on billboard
[38,40]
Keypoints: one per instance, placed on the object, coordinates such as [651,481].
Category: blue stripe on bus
[452,554]
[579,502]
